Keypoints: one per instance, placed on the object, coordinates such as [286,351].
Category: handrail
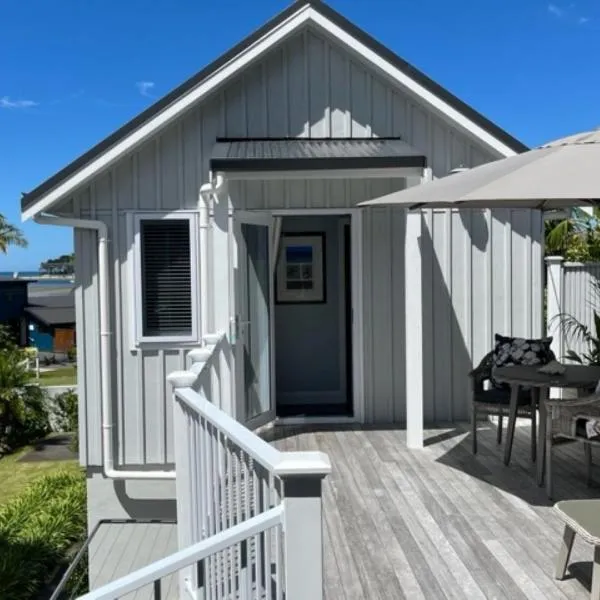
[188,556]
[265,454]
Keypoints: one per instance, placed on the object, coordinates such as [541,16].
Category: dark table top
[575,376]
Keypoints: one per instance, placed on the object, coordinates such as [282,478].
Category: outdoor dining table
[578,377]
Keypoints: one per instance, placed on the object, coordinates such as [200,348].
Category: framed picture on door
[300,275]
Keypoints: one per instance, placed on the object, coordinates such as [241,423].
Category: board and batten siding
[308,86]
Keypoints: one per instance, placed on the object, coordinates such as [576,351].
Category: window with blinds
[166,277]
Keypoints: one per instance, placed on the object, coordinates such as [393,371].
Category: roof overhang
[282,158]
[300,13]
[52,316]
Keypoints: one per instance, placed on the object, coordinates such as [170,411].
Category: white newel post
[413,311]
[182,379]
[302,474]
[554,308]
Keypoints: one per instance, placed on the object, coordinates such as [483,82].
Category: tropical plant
[10,236]
[7,338]
[38,529]
[23,404]
[576,238]
[576,331]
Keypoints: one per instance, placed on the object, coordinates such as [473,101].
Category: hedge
[38,529]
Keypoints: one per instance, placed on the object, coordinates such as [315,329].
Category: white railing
[194,555]
[228,478]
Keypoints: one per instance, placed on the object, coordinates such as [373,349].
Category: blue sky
[71,71]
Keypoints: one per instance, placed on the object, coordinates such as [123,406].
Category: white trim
[230,69]
[358,392]
[410,84]
[263,219]
[391,173]
[135,290]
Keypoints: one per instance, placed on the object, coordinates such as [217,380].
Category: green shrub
[72,353]
[23,404]
[66,412]
[37,530]
[65,406]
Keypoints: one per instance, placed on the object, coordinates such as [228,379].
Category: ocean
[40,282]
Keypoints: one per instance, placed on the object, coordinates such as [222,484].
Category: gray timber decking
[118,549]
[440,522]
[431,524]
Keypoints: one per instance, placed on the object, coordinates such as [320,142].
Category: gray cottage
[228,211]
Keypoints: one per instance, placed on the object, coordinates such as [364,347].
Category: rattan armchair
[567,419]
[496,402]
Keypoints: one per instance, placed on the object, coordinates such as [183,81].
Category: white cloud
[555,10]
[583,20]
[144,88]
[6,102]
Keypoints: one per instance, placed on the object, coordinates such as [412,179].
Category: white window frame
[135,260]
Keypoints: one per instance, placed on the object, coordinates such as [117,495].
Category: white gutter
[108,462]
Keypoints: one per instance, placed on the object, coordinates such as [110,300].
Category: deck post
[554,308]
[413,310]
[302,474]
[182,379]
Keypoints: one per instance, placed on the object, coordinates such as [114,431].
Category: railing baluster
[230,518]
[268,535]
[258,569]
[276,486]
[247,500]
[211,510]
[157,590]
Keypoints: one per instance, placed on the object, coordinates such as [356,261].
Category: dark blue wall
[13,299]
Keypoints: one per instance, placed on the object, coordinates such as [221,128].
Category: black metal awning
[304,154]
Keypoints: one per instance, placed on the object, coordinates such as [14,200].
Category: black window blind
[166,277]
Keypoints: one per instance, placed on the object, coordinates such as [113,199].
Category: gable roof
[35,196]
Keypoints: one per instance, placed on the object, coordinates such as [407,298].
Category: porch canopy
[242,158]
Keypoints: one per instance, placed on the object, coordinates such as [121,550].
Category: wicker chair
[568,418]
[496,402]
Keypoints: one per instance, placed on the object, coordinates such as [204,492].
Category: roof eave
[47,193]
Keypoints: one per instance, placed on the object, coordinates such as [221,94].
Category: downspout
[108,462]
[208,192]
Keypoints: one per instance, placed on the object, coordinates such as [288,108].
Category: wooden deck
[118,549]
[431,524]
[441,523]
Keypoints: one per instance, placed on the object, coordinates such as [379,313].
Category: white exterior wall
[309,86]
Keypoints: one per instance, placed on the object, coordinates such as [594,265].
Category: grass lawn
[59,376]
[14,475]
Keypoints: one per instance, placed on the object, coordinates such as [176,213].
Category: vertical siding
[308,86]
[581,298]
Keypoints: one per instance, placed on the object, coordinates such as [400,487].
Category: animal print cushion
[519,351]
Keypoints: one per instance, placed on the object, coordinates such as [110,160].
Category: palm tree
[10,236]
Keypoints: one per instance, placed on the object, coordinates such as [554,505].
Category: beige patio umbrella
[559,174]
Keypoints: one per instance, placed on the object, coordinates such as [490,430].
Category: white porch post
[554,307]
[302,474]
[414,326]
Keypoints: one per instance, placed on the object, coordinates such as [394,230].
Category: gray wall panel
[310,85]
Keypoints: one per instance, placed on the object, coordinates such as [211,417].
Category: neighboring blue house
[40,317]
[13,300]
